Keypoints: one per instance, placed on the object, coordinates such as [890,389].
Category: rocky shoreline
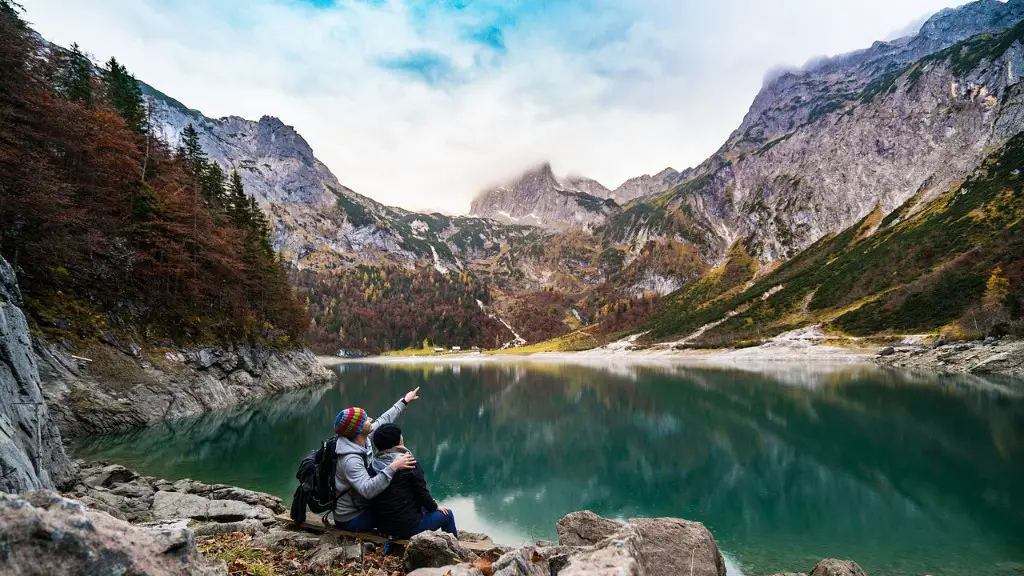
[112,520]
[981,357]
[115,389]
[990,357]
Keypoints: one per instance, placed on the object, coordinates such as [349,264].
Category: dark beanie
[386,437]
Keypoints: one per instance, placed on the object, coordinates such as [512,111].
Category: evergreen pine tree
[259,226]
[238,202]
[74,77]
[212,182]
[195,158]
[125,94]
[9,10]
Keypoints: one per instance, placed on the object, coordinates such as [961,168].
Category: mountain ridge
[818,151]
[816,147]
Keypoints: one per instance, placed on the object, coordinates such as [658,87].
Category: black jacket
[398,508]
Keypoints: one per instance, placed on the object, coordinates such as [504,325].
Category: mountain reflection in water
[906,474]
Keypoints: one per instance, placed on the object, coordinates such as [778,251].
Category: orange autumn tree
[108,228]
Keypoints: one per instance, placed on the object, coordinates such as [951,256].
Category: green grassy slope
[917,269]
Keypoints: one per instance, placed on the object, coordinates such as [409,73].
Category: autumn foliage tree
[376,309]
[997,289]
[107,228]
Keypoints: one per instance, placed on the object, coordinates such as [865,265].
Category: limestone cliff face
[275,162]
[822,148]
[317,222]
[31,453]
[538,198]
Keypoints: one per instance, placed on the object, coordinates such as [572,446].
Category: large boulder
[107,476]
[43,533]
[675,546]
[649,546]
[584,529]
[32,454]
[435,550]
[127,508]
[136,489]
[833,567]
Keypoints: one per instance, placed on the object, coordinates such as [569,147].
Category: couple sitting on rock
[388,493]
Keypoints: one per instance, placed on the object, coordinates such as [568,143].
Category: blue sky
[422,103]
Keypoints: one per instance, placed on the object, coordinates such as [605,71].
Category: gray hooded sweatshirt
[354,484]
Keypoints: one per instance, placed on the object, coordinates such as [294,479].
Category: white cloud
[606,89]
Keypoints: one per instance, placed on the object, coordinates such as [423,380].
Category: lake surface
[908,475]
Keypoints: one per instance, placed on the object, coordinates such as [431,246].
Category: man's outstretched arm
[393,413]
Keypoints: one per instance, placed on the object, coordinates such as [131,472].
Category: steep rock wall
[31,454]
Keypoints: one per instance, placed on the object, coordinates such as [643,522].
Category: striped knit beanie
[349,422]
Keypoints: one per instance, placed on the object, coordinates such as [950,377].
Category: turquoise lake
[906,474]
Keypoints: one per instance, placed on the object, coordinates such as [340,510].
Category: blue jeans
[362,523]
[437,519]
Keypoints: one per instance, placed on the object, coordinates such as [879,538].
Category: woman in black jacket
[405,507]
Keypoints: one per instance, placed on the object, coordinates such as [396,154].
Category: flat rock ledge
[209,508]
[114,521]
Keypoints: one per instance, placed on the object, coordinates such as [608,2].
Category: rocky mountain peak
[275,162]
[538,198]
[538,176]
[666,173]
[588,186]
[794,98]
[272,121]
[971,19]
[640,186]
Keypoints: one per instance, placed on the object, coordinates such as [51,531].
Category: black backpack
[316,481]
